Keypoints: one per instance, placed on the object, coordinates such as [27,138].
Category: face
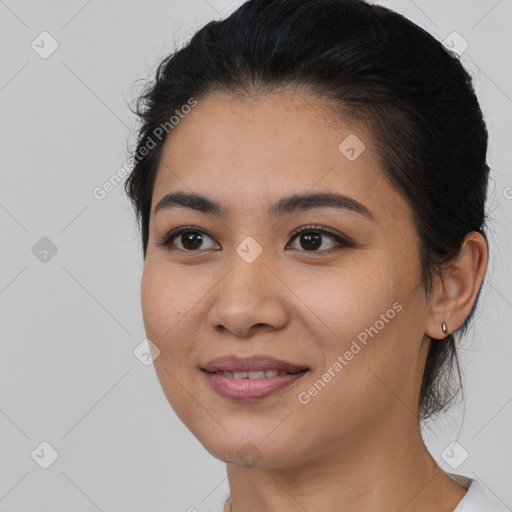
[341,300]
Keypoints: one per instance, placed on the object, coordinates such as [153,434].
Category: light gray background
[68,375]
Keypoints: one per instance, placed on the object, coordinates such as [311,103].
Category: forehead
[262,128]
[242,150]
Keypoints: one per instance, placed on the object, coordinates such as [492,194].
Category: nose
[249,299]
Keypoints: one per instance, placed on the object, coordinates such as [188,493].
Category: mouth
[255,374]
[257,363]
[250,378]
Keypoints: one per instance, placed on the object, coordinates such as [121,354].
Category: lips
[256,363]
[249,379]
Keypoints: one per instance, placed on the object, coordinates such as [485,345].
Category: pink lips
[252,363]
[246,388]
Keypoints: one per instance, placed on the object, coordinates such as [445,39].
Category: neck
[384,470]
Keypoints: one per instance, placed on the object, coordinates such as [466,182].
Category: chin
[251,451]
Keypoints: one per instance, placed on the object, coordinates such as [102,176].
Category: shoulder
[476,499]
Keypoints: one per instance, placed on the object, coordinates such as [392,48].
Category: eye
[192,239]
[310,238]
[187,238]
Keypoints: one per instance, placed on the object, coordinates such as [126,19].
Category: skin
[356,446]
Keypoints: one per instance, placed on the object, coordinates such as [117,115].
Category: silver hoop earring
[445,329]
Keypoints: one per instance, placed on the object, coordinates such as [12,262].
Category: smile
[251,386]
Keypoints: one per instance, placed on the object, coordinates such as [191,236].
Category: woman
[310,182]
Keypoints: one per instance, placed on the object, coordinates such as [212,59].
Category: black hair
[376,68]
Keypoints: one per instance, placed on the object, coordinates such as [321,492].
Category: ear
[456,291]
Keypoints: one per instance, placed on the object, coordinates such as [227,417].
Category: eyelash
[167,240]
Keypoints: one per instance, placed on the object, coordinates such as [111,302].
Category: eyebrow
[284,206]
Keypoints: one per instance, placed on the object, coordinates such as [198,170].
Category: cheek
[364,318]
[164,308]
[377,328]
[167,298]
[350,300]
[158,308]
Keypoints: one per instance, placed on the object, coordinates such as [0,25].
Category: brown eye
[311,239]
[187,239]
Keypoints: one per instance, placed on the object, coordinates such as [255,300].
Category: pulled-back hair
[376,68]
